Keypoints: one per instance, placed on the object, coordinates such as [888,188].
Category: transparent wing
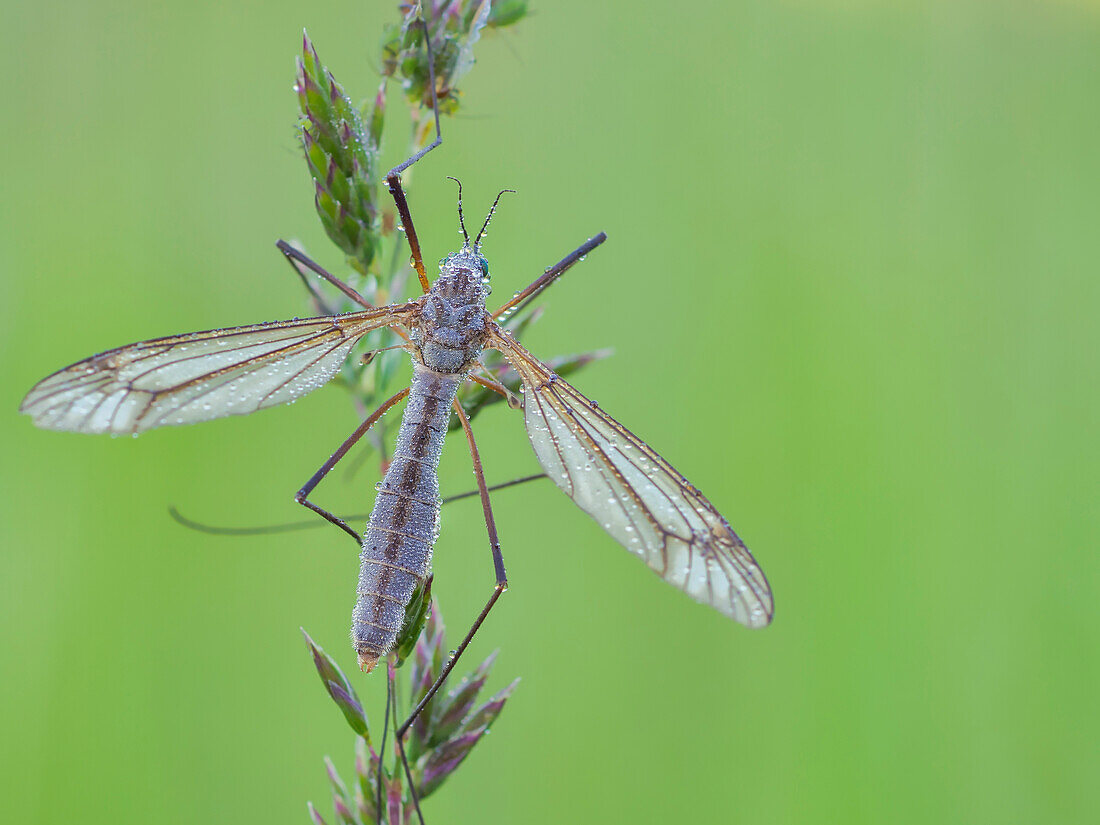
[637,496]
[183,379]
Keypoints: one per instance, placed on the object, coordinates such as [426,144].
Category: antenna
[461,222]
[489,217]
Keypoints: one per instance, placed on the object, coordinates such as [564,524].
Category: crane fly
[611,474]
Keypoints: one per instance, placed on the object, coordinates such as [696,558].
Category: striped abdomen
[397,545]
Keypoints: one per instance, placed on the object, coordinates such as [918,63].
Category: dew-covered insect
[611,474]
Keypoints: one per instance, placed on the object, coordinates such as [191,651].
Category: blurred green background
[852,285]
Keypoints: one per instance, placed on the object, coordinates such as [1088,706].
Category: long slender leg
[393,179]
[390,699]
[320,305]
[550,275]
[273,529]
[341,451]
[295,257]
[498,566]
[525,296]
[391,674]
[514,482]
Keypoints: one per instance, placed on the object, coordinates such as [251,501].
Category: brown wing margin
[635,495]
[184,379]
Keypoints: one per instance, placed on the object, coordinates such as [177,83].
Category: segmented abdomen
[397,545]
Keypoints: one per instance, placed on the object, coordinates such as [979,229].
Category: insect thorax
[451,331]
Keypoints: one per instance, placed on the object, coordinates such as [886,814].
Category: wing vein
[199,376]
[635,495]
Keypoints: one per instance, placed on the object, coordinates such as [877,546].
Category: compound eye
[484,266]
